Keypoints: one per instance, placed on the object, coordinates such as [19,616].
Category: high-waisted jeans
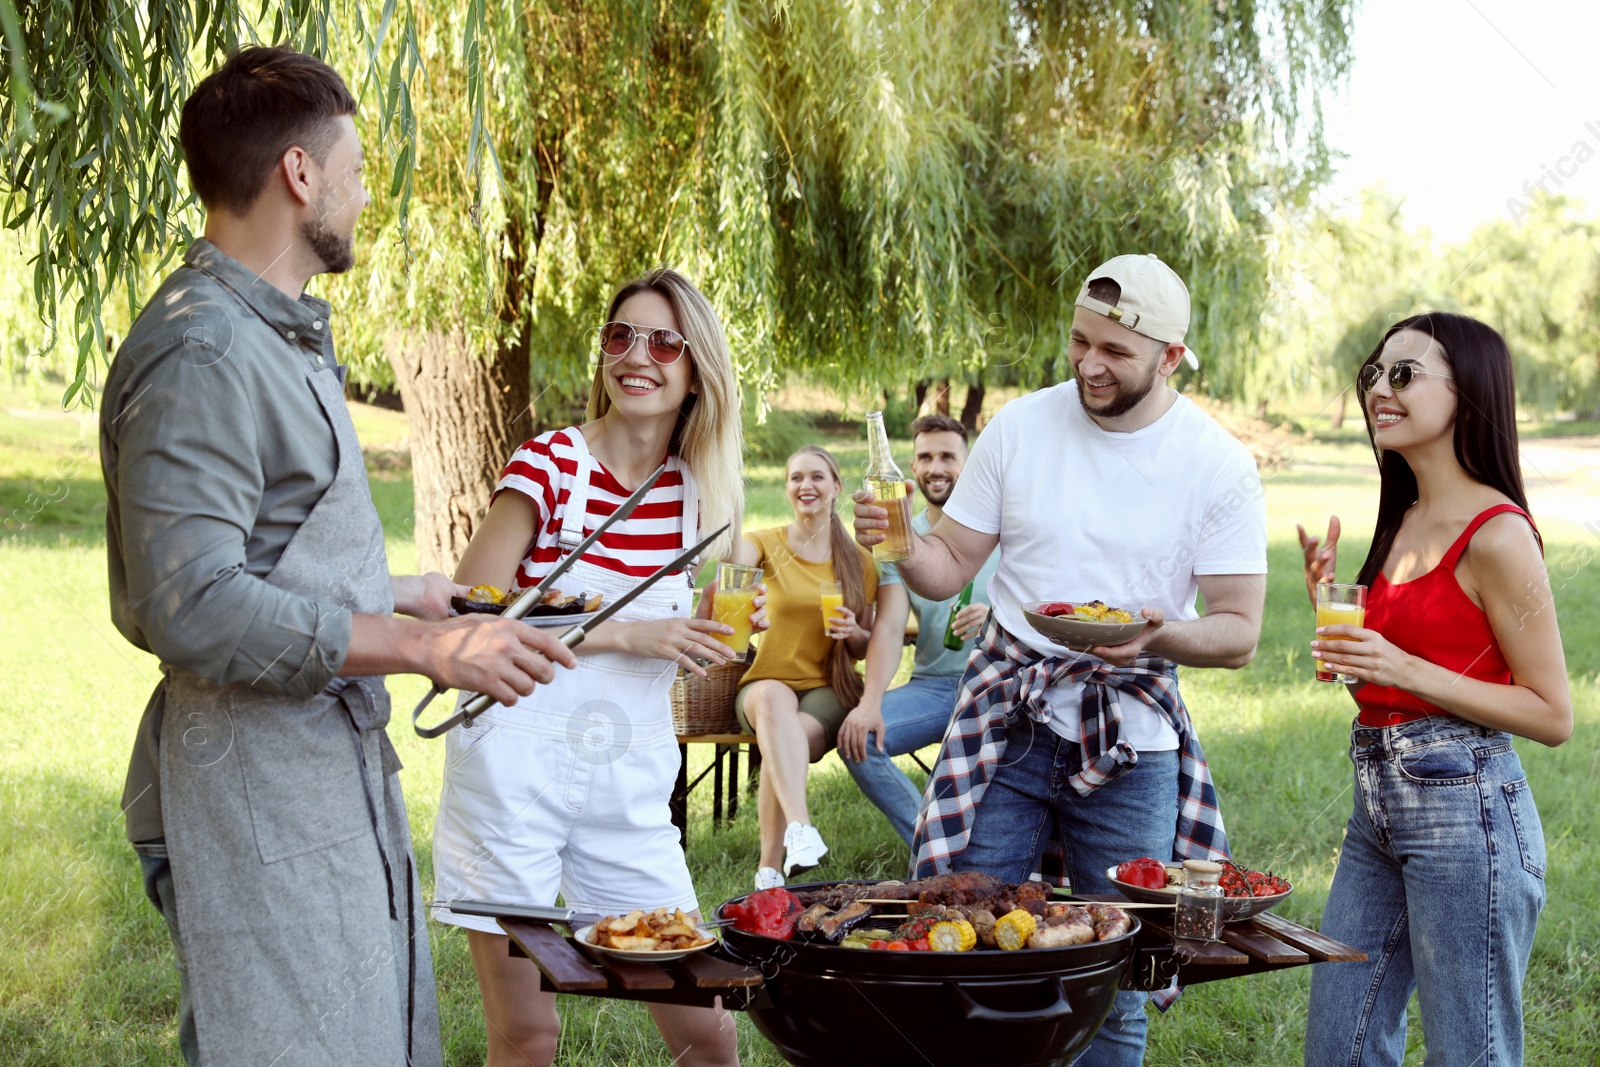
[1440,882]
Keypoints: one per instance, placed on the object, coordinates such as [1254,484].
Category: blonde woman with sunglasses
[566,792]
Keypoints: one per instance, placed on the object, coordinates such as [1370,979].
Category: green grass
[86,975]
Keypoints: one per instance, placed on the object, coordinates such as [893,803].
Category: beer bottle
[888,488]
[951,641]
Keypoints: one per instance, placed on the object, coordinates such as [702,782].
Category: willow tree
[871,193]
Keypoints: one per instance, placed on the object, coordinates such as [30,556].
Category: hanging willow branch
[869,192]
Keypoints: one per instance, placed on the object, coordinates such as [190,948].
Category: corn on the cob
[1011,930]
[952,936]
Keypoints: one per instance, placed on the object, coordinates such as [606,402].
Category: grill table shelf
[567,967]
[1260,945]
[1256,946]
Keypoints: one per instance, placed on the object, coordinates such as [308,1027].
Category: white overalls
[568,790]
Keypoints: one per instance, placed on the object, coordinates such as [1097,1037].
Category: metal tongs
[480,702]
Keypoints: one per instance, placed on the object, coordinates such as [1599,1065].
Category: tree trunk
[940,396]
[466,414]
[972,407]
[921,395]
[1338,412]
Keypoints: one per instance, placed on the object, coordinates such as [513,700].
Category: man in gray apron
[246,553]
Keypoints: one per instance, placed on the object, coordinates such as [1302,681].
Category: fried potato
[654,931]
[676,929]
[636,944]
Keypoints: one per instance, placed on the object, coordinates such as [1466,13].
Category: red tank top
[1432,617]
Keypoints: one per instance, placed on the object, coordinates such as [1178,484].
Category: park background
[892,205]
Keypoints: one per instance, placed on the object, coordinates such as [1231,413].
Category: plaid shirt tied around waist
[1006,677]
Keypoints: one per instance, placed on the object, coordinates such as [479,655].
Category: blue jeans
[915,716]
[1029,801]
[157,872]
[1440,882]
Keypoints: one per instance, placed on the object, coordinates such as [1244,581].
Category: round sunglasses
[1400,375]
[663,345]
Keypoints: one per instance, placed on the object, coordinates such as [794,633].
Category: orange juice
[734,608]
[831,602]
[1336,614]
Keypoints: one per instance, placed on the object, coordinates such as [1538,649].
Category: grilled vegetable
[1012,929]
[835,925]
[485,594]
[807,921]
[983,924]
[956,936]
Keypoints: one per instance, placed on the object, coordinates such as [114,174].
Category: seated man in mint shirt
[914,715]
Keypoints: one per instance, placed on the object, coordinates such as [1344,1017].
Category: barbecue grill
[825,1004]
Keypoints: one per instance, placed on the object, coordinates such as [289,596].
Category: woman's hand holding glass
[842,625]
[684,642]
[754,596]
[1363,654]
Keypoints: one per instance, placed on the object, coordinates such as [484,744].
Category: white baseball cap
[1154,301]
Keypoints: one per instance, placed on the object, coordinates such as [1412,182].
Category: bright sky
[1455,104]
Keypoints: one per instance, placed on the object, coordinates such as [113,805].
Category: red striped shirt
[543,469]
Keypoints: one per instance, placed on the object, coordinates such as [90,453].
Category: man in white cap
[1108,487]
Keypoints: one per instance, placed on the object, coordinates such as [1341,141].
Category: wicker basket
[705,705]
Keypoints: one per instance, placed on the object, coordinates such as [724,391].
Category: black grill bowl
[828,1005]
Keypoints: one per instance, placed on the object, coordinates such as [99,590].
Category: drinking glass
[735,602]
[832,601]
[1339,605]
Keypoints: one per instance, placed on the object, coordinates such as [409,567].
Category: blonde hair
[708,437]
[841,668]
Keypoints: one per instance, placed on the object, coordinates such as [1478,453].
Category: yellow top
[795,648]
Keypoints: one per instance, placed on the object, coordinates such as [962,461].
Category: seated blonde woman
[803,681]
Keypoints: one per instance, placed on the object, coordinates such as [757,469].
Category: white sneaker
[803,849]
[768,878]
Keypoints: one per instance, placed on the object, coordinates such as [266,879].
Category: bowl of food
[657,935]
[1082,625]
[1246,893]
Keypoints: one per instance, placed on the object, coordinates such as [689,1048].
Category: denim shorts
[1440,881]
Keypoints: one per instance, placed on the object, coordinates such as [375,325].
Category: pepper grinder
[1200,899]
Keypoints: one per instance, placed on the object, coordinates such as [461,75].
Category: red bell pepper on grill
[768,912]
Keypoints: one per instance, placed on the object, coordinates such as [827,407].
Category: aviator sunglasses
[1400,375]
[664,346]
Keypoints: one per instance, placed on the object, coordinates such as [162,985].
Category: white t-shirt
[1127,518]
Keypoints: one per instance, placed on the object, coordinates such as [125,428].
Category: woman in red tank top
[1441,873]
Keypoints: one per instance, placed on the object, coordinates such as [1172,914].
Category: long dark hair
[1486,423]
[841,669]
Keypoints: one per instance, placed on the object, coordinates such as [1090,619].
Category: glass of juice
[832,601]
[1339,605]
[735,602]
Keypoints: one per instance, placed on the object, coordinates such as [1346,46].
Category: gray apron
[297,889]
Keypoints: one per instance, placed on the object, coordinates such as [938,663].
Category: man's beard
[936,501]
[1126,399]
[337,254]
